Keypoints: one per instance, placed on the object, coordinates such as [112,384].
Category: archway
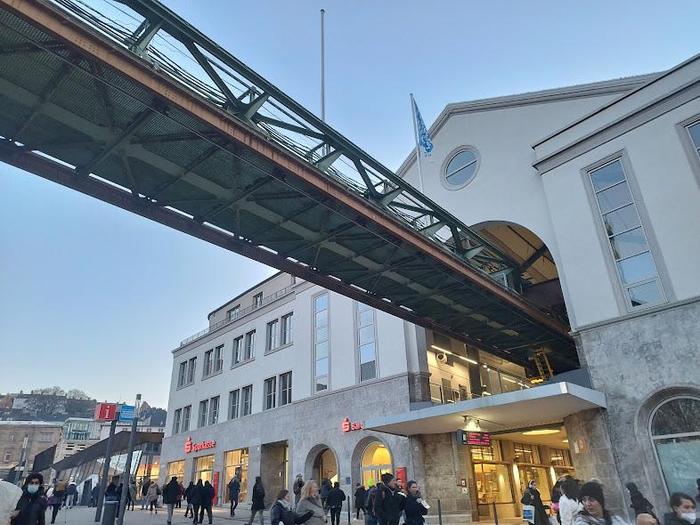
[370,459]
[322,463]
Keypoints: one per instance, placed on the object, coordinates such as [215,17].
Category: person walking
[207,501]
[415,507]
[281,512]
[170,492]
[569,505]
[188,498]
[334,501]
[640,504]
[257,501]
[234,492]
[31,507]
[94,494]
[298,484]
[594,511]
[532,497]
[180,494]
[683,508]
[310,501]
[360,497]
[146,482]
[389,502]
[325,490]
[55,501]
[152,497]
[370,515]
[131,501]
[196,499]
[9,496]
[71,493]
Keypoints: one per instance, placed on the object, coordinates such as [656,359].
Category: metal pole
[323,66]
[495,513]
[349,511]
[105,470]
[439,513]
[127,468]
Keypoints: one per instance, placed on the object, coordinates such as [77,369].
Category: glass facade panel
[637,268]
[629,243]
[621,220]
[614,197]
[236,464]
[607,176]
[321,342]
[203,468]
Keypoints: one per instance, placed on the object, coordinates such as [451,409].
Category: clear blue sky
[92,297]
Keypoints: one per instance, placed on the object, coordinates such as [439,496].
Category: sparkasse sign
[196,447]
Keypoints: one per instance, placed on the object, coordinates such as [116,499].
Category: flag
[422,135]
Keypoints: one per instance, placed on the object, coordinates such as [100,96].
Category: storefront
[176,469]
[203,468]
[236,464]
[376,460]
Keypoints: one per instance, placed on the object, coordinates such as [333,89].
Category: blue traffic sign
[126,412]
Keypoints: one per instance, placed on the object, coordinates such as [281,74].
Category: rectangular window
[321,354]
[208,355]
[186,413]
[218,358]
[694,132]
[257,300]
[367,351]
[234,399]
[202,417]
[182,373]
[271,335]
[214,410]
[249,345]
[233,312]
[626,237]
[525,453]
[176,421]
[285,388]
[247,402]
[270,392]
[237,349]
[286,329]
[191,368]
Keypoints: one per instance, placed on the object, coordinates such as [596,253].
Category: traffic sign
[126,412]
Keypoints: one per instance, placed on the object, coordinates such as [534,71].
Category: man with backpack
[370,516]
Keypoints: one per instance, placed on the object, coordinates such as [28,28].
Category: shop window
[675,432]
[490,453]
[236,464]
[376,460]
[204,468]
[493,483]
[177,469]
[559,457]
[525,453]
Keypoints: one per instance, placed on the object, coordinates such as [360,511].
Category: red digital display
[481,439]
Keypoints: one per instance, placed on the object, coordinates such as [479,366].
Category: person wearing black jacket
[188,497]
[531,496]
[334,501]
[170,492]
[196,499]
[31,507]
[415,509]
[683,510]
[257,501]
[389,502]
[360,497]
[207,499]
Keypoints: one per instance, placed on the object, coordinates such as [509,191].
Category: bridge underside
[81,112]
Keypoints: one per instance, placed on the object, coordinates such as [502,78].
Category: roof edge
[267,279]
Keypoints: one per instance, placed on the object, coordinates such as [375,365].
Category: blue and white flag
[422,135]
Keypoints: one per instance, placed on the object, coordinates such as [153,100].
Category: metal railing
[506,383]
[238,315]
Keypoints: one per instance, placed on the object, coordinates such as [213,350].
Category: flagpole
[415,136]
[323,66]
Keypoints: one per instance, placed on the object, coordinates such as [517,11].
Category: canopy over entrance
[536,406]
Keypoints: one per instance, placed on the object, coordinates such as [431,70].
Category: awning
[120,444]
[531,407]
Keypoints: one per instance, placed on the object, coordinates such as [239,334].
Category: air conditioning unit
[441,357]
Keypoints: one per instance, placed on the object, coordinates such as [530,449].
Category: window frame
[270,393]
[248,389]
[237,354]
[231,404]
[257,300]
[683,129]
[314,341]
[272,332]
[286,326]
[358,353]
[218,359]
[449,158]
[214,406]
[181,373]
[249,349]
[185,425]
[191,370]
[203,413]
[177,418]
[207,367]
[233,313]
[284,392]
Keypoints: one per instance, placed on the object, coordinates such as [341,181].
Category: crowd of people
[387,502]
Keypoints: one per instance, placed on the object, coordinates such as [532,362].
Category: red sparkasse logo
[349,426]
[195,447]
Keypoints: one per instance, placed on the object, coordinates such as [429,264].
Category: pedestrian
[640,504]
[683,508]
[370,514]
[298,484]
[31,507]
[188,498]
[71,493]
[113,493]
[555,495]
[360,497]
[146,482]
[180,494]
[281,511]
[415,508]
[310,500]
[532,497]
[389,502]
[131,501]
[94,494]
[325,489]
[196,499]
[594,511]
[207,501]
[334,501]
[234,492]
[257,501]
[152,496]
[569,505]
[55,501]
[9,496]
[170,497]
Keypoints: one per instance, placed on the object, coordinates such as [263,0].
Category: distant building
[21,441]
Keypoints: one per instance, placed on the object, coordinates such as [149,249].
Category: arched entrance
[321,464]
[371,459]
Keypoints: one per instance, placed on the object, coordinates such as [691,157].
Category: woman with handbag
[281,511]
[531,498]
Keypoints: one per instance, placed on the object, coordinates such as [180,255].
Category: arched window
[376,460]
[675,432]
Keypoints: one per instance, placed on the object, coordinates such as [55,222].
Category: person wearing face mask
[531,496]
[594,512]
[415,507]
[31,507]
[683,510]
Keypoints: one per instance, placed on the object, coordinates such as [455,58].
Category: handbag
[529,513]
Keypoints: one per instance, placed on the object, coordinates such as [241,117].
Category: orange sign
[196,447]
[349,426]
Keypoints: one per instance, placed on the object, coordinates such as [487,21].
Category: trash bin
[109,512]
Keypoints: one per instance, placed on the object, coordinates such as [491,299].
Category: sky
[95,298]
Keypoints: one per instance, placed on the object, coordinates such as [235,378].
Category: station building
[594,190]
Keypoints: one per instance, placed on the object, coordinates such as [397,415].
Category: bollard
[495,513]
[349,513]
[109,512]
[439,512]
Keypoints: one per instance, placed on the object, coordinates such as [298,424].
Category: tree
[74,393]
[50,391]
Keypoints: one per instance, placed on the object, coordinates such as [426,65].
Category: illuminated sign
[196,447]
[349,426]
[105,411]
[478,439]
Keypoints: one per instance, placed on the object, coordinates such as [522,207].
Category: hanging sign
[479,439]
[349,426]
[196,447]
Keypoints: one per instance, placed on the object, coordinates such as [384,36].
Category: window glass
[186,412]
[614,197]
[286,329]
[322,366]
[677,416]
[271,335]
[247,400]
[321,349]
[647,293]
[621,220]
[321,302]
[366,334]
[461,168]
[270,392]
[285,388]
[237,349]
[233,402]
[629,243]
[202,417]
[250,345]
[218,358]
[214,410]
[607,176]
[637,268]
[694,131]
[176,422]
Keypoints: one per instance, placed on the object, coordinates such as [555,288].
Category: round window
[461,168]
